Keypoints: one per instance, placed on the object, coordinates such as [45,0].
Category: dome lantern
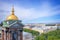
[12,16]
[13,10]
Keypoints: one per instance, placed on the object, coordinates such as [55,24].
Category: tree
[52,35]
[34,33]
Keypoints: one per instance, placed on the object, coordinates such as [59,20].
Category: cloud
[51,21]
[45,10]
[32,13]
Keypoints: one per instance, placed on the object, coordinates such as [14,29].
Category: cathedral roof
[12,16]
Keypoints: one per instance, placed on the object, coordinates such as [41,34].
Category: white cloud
[51,21]
[30,13]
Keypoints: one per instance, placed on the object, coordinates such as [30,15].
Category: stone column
[17,34]
[21,35]
[2,34]
[6,34]
[10,35]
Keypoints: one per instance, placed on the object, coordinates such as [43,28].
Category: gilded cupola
[12,16]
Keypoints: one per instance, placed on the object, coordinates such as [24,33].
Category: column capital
[7,28]
[20,30]
[2,34]
[6,31]
[2,30]
[10,31]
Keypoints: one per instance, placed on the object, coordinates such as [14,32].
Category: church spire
[12,10]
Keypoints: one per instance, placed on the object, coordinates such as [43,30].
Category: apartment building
[43,28]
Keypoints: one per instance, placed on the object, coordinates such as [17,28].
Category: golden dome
[12,16]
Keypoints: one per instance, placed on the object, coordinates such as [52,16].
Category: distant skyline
[32,11]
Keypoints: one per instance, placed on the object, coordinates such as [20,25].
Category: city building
[41,27]
[11,28]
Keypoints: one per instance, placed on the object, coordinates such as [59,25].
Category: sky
[32,11]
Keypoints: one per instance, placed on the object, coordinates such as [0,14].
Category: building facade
[11,28]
